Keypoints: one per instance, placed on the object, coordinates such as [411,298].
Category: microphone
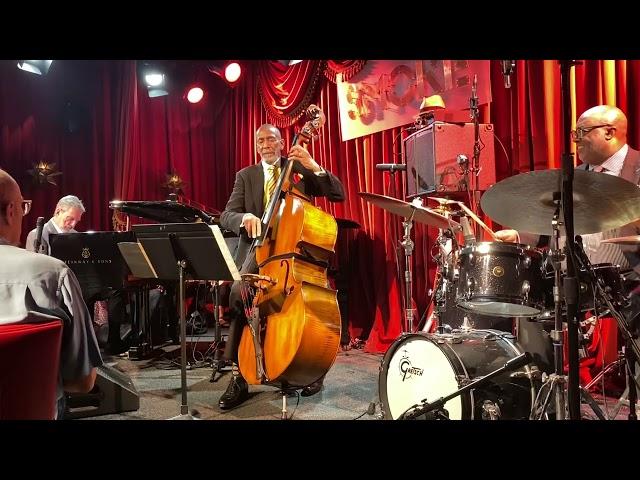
[507,69]
[391,167]
[38,243]
[519,361]
[467,232]
[473,101]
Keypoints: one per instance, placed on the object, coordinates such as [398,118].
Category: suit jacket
[631,172]
[248,196]
[47,229]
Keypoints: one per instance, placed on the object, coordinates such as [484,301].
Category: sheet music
[226,254]
[137,259]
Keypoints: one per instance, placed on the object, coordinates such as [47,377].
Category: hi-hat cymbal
[443,201]
[404,209]
[632,240]
[527,203]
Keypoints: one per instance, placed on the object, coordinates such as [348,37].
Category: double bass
[292,334]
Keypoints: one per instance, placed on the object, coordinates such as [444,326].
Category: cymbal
[526,201]
[632,240]
[404,209]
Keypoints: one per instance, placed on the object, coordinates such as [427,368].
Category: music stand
[181,251]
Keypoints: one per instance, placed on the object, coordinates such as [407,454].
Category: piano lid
[165,211]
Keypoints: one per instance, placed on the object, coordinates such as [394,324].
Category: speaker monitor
[431,155]
[114,392]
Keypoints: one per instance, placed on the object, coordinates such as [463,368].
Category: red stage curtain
[287,91]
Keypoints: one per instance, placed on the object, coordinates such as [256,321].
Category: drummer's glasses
[580,132]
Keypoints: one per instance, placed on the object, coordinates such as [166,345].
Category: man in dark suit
[66,216]
[242,215]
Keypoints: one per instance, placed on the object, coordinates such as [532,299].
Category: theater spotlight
[230,73]
[39,67]
[154,79]
[195,94]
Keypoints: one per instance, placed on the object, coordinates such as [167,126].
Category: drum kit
[470,361]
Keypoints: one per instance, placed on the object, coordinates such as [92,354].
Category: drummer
[601,141]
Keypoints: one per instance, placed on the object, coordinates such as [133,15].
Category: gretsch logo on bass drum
[407,370]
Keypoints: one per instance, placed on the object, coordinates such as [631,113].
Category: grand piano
[99,266]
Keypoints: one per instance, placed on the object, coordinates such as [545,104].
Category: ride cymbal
[404,209]
[527,201]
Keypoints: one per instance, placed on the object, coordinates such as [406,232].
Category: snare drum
[503,279]
[422,366]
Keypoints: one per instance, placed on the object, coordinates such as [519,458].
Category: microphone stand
[570,281]
[407,244]
[475,163]
[438,405]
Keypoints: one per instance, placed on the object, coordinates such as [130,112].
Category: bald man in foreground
[38,286]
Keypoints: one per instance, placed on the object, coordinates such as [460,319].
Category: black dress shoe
[237,392]
[312,388]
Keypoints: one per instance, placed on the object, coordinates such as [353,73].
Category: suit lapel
[257,188]
[631,167]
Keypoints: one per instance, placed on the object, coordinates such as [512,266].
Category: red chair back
[29,363]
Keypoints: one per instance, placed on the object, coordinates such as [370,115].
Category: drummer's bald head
[607,114]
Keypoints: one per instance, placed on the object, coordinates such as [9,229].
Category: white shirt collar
[266,166]
[55,225]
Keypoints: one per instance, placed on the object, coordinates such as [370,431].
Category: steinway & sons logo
[87,260]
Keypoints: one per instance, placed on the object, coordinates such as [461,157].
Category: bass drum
[423,366]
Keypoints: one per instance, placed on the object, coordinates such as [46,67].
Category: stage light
[229,71]
[155,80]
[232,72]
[39,67]
[195,94]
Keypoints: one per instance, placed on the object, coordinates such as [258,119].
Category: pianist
[66,216]
[33,284]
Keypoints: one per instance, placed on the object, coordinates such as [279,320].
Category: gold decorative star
[43,172]
[174,183]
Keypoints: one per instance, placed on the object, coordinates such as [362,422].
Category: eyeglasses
[579,133]
[26,206]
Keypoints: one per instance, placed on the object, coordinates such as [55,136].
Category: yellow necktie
[270,186]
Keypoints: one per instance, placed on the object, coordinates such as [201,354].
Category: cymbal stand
[408,245]
[558,381]
[557,332]
[445,273]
